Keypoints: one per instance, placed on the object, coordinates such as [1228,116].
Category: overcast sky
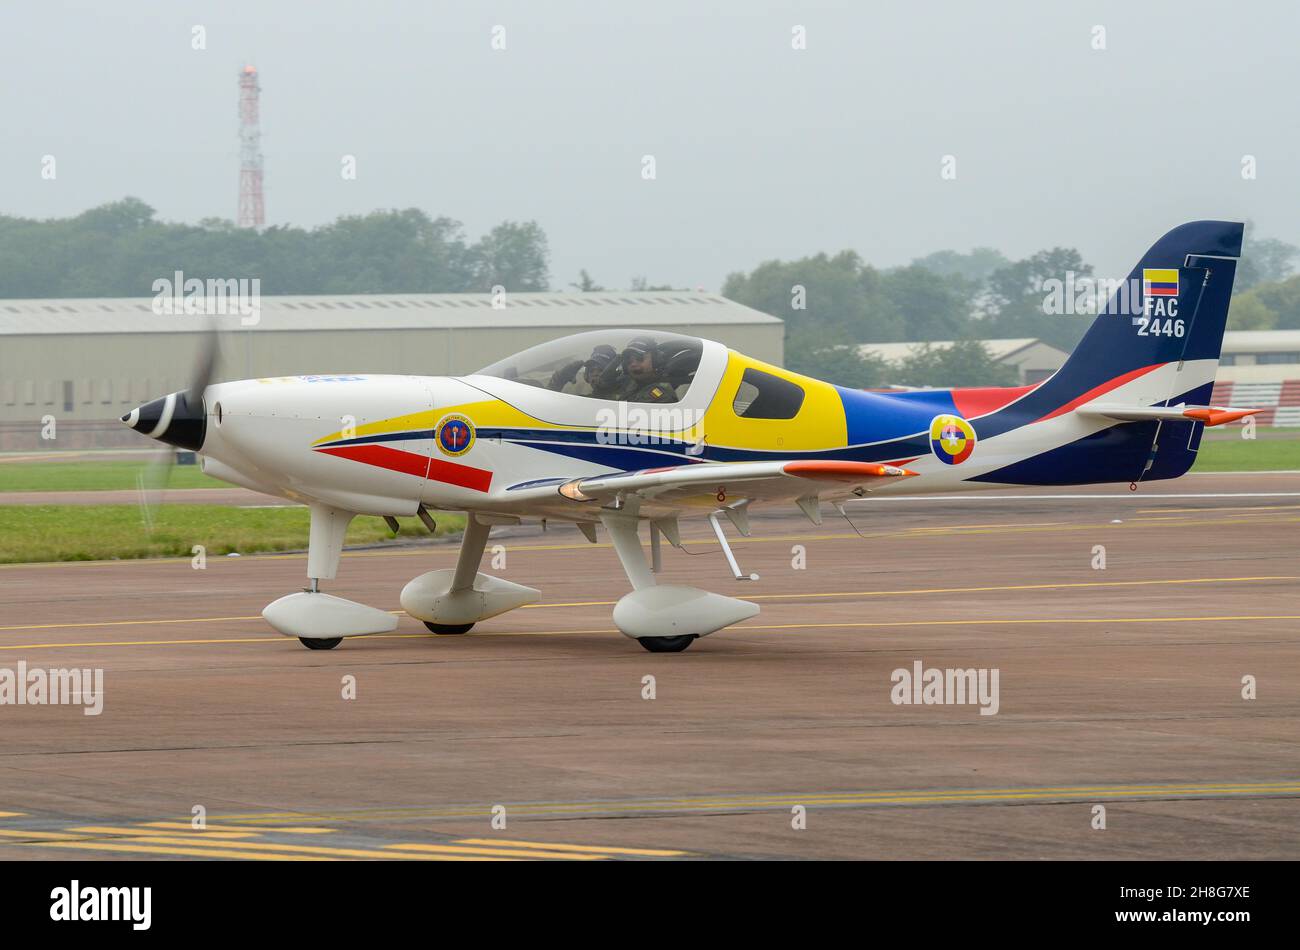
[761,151]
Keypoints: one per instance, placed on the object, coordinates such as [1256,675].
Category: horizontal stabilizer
[1210,415]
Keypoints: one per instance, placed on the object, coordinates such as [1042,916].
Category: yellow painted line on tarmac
[450,854]
[966,590]
[264,639]
[1046,794]
[138,643]
[739,628]
[137,832]
[505,852]
[895,534]
[1036,620]
[585,848]
[606,603]
[1170,511]
[50,835]
[11,814]
[128,623]
[186,826]
[142,848]
[285,850]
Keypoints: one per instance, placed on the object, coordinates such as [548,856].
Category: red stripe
[1100,391]
[981,401]
[464,476]
[409,463]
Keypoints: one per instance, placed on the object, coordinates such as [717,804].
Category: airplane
[618,428]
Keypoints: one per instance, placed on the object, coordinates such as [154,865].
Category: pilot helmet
[601,357]
[640,345]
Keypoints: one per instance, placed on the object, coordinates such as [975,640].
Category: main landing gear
[665,618]
[452,601]
[667,644]
[447,629]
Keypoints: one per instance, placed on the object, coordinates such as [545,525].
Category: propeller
[178,422]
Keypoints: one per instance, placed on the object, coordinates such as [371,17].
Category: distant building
[1260,356]
[1033,359]
[1258,368]
[1261,368]
[85,362]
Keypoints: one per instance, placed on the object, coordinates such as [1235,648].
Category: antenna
[252,211]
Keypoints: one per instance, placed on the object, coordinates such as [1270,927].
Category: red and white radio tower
[252,213]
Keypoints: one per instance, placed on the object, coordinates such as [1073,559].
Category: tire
[667,644]
[446,629]
[312,643]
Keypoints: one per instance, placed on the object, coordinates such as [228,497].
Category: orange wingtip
[844,471]
[1217,417]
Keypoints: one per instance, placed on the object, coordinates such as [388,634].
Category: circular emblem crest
[952,439]
[454,435]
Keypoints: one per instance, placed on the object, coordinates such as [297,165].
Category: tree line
[831,303]
[120,249]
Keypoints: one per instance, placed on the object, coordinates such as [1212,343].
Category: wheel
[448,628]
[666,644]
[312,643]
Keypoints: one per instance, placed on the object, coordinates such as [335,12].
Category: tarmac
[1123,683]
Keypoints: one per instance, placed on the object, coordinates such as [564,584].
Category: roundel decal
[952,439]
[454,435]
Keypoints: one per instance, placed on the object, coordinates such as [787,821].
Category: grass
[1248,455]
[96,476]
[104,532]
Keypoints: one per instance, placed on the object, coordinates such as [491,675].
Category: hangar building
[85,362]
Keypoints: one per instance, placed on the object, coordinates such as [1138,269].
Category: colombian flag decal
[1160,281]
[952,439]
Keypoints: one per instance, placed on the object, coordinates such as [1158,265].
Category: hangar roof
[1261,341]
[997,349]
[385,312]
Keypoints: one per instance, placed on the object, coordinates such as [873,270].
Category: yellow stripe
[11,814]
[981,621]
[892,534]
[185,826]
[586,848]
[508,852]
[158,849]
[198,835]
[898,796]
[739,628]
[453,854]
[606,603]
[489,412]
[966,590]
[44,835]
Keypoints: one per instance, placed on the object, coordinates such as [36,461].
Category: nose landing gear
[321,621]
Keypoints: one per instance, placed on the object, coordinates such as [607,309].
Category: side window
[764,396]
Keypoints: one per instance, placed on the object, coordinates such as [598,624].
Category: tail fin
[1172,309]
[1159,338]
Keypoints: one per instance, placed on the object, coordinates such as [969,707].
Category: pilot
[645,380]
[595,381]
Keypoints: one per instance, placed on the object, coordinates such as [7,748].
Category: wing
[1210,415]
[766,481]
[711,485]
